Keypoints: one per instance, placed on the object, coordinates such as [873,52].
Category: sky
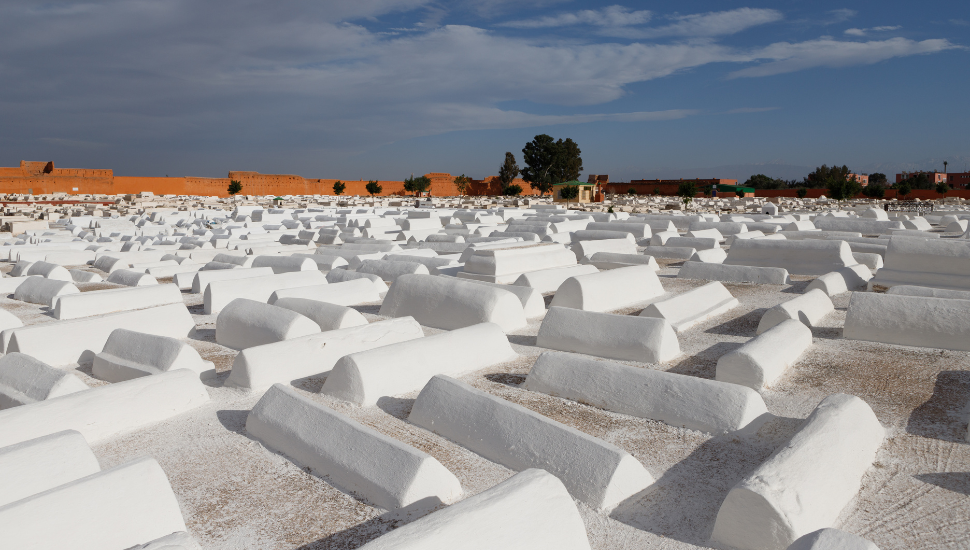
[380,89]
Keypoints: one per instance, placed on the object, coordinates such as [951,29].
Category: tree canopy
[823,176]
[417,185]
[509,170]
[761,181]
[687,190]
[843,189]
[461,184]
[338,187]
[373,187]
[877,178]
[874,191]
[548,162]
[569,192]
[919,180]
[235,186]
[512,190]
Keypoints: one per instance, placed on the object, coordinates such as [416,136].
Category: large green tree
[234,187]
[508,171]
[417,185]
[538,156]
[339,187]
[823,176]
[373,187]
[877,178]
[567,161]
[687,190]
[549,161]
[919,180]
[761,181]
[842,189]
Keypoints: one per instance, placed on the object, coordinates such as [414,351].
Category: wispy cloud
[606,17]
[709,24]
[839,16]
[863,32]
[828,52]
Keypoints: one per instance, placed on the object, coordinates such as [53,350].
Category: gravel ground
[236,494]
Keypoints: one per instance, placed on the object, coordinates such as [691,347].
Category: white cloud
[707,24]
[828,52]
[839,16]
[606,17]
[863,32]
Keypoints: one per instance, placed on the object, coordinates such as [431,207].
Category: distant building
[958,180]
[863,179]
[935,177]
[600,179]
[588,192]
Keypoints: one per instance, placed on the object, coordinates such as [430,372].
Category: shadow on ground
[944,414]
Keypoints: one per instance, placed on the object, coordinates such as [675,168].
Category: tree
[373,187]
[567,161]
[512,190]
[823,176]
[508,171]
[877,178]
[903,188]
[841,188]
[919,180]
[548,162]
[801,192]
[568,192]
[874,191]
[656,190]
[739,192]
[235,186]
[942,188]
[338,188]
[417,185]
[631,191]
[461,184]
[761,181]
[687,190]
[538,156]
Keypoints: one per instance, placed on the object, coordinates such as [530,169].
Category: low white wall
[625,337]
[129,354]
[130,277]
[285,264]
[122,507]
[379,469]
[245,323]
[764,358]
[594,471]
[106,411]
[100,302]
[36,465]
[809,308]
[533,508]
[78,340]
[364,377]
[806,257]
[201,280]
[25,380]
[549,280]
[733,273]
[687,309]
[675,399]
[908,320]
[220,293]
[807,482]
[38,290]
[609,290]
[326,315]
[259,367]
[449,303]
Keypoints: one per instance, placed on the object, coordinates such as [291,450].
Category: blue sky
[383,88]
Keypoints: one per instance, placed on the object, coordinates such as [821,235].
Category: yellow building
[587,192]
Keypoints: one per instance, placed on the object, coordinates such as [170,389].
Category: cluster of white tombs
[280,285]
